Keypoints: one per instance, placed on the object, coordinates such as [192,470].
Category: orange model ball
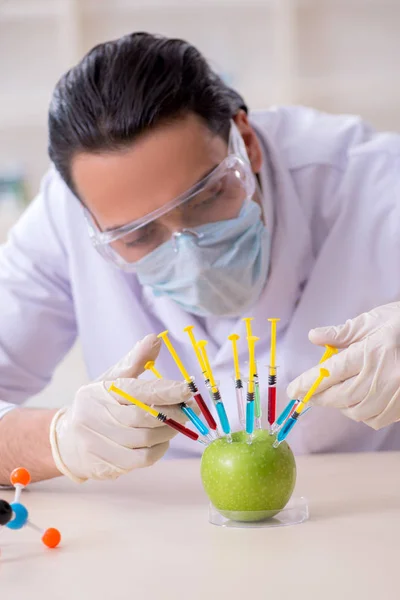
[51,537]
[20,476]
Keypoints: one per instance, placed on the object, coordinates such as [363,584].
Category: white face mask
[217,269]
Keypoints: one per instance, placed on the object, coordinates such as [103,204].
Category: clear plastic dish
[294,513]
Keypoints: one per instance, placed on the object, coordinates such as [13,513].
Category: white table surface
[147,536]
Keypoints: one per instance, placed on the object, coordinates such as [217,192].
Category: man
[168,205]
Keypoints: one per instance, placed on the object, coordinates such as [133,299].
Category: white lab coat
[331,190]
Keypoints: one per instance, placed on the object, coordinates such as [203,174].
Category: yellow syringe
[193,341]
[292,420]
[329,351]
[291,406]
[150,366]
[254,387]
[189,412]
[252,361]
[234,337]
[190,381]
[250,399]
[272,375]
[216,396]
[174,354]
[156,414]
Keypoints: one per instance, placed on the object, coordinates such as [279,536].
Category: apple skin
[248,482]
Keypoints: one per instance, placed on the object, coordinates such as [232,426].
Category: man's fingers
[124,460]
[132,364]
[157,391]
[342,366]
[145,457]
[134,437]
[342,395]
[146,350]
[354,330]
[391,414]
[133,416]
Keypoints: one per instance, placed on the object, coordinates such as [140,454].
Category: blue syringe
[292,420]
[250,400]
[238,381]
[289,409]
[216,396]
[187,410]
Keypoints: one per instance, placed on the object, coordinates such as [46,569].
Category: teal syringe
[216,396]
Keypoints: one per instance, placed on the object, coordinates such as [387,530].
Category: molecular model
[15,515]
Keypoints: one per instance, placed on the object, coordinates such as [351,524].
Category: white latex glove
[101,437]
[364,378]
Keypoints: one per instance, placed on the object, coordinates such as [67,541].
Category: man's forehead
[188,136]
[159,166]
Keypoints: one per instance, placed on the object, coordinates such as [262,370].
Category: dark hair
[125,87]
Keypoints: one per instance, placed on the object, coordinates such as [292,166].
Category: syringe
[272,375]
[257,398]
[220,408]
[290,407]
[251,389]
[189,331]
[158,415]
[238,381]
[292,420]
[189,412]
[329,351]
[193,341]
[189,381]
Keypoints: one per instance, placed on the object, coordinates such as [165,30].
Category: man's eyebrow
[198,182]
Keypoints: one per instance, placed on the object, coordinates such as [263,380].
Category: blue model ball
[20,516]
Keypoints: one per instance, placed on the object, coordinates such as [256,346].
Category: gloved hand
[364,377]
[99,437]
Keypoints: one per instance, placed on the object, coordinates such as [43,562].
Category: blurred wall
[335,55]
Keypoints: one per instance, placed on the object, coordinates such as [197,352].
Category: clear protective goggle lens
[218,197]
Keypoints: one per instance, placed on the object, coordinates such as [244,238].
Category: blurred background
[341,56]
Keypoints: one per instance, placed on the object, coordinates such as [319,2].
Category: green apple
[248,482]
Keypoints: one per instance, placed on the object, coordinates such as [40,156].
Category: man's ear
[250,139]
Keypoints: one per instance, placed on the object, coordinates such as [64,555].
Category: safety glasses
[218,197]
